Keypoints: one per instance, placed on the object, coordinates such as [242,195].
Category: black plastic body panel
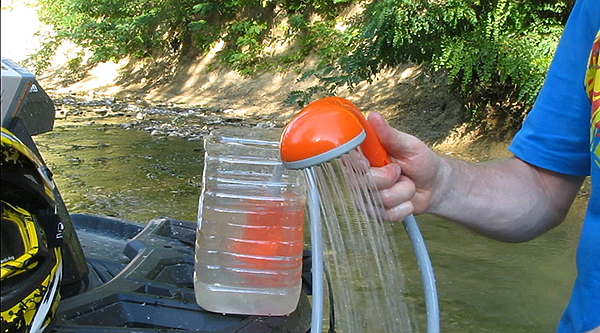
[141,280]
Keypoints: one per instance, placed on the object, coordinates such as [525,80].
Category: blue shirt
[562,134]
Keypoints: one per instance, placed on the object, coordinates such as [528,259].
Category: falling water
[360,254]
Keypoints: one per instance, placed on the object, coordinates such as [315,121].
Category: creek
[483,285]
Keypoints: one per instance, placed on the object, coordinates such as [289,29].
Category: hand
[407,184]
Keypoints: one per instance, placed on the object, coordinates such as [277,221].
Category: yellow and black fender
[31,263]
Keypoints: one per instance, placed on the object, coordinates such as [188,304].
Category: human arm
[507,199]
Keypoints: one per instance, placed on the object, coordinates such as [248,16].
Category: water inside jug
[250,226]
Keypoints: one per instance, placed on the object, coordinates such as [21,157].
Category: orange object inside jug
[272,243]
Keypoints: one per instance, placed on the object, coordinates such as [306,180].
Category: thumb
[398,144]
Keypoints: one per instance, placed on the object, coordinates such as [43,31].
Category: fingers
[385,132]
[386,176]
[399,193]
[395,190]
[398,213]
[397,200]
[414,166]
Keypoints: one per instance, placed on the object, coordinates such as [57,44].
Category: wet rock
[101,111]
[161,119]
[233,120]
[69,101]
[212,120]
[109,101]
[74,112]
[91,103]
[265,124]
[142,102]
[75,160]
[133,108]
[118,106]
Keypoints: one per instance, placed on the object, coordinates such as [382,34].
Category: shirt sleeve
[556,133]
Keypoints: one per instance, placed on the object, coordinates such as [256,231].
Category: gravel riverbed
[190,122]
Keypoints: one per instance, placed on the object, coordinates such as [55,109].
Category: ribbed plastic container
[249,241]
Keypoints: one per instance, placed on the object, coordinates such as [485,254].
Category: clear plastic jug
[250,226]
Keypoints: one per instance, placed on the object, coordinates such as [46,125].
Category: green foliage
[246,37]
[511,43]
[492,50]
[112,29]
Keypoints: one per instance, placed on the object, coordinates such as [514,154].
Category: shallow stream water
[483,285]
[128,174]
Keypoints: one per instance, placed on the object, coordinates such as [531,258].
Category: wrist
[440,185]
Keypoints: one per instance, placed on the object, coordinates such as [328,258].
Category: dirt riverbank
[411,99]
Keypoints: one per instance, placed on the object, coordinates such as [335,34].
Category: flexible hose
[316,242]
[416,240]
[426,269]
[377,157]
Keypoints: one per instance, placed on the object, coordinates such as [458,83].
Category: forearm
[508,200]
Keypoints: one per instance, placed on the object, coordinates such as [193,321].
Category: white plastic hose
[426,269]
[316,242]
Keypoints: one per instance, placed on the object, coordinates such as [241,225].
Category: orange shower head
[325,129]
[318,134]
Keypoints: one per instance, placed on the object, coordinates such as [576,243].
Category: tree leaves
[488,47]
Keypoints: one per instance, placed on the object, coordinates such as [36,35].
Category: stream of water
[483,285]
[360,250]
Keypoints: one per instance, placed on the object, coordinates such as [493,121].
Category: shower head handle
[371,146]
